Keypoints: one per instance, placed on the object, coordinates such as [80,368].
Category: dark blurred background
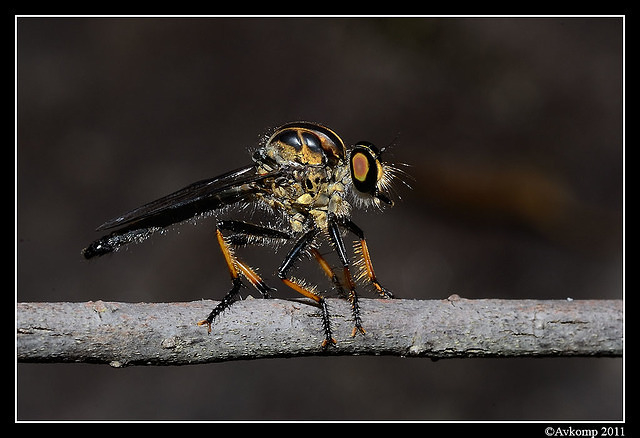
[512,128]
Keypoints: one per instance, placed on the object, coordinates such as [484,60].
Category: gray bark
[122,334]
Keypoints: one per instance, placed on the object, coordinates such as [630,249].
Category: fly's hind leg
[245,233]
[232,295]
[294,254]
[237,267]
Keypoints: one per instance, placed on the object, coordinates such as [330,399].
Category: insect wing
[199,197]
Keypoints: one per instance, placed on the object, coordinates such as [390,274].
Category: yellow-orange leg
[328,271]
[365,263]
[235,267]
[362,251]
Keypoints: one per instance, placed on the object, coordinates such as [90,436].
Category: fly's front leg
[293,255]
[336,239]
[364,261]
[236,267]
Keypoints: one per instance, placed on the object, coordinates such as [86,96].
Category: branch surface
[122,334]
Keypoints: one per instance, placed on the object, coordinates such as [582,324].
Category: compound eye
[365,168]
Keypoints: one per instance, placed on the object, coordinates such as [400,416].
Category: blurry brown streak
[523,196]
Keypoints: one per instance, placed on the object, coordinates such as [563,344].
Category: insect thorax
[308,192]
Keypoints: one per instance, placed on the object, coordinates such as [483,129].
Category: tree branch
[122,334]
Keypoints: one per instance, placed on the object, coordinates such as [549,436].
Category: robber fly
[305,179]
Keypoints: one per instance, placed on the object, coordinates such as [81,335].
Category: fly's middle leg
[336,238]
[324,265]
[294,254]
